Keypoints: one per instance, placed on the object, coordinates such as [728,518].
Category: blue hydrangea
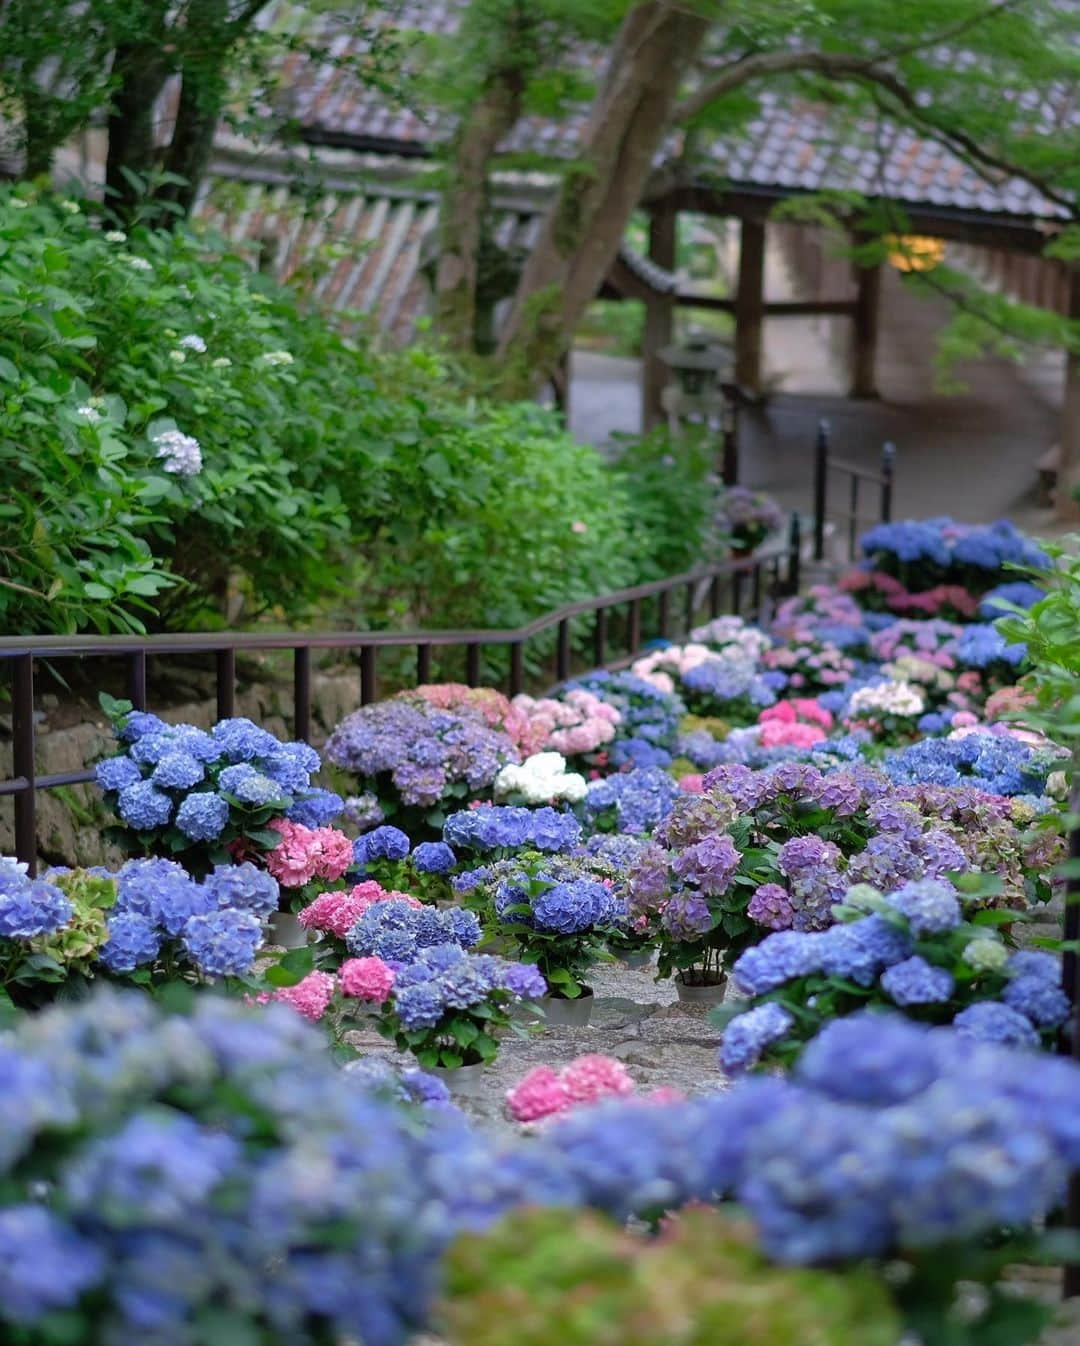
[779,958]
[202,816]
[433,857]
[167,899]
[908,540]
[133,941]
[223,943]
[244,887]
[640,799]
[419,1006]
[382,843]
[930,906]
[139,723]
[1041,1001]
[464,926]
[232,777]
[31,907]
[991,1021]
[917,982]
[317,809]
[1035,963]
[114,773]
[45,1266]
[177,771]
[568,908]
[144,807]
[749,1034]
[525,981]
[640,753]
[979,646]
[869,1058]
[259,790]
[505,827]
[242,741]
[1021,593]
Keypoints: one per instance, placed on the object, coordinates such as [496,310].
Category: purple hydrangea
[777,959]
[930,906]
[710,864]
[687,917]
[771,907]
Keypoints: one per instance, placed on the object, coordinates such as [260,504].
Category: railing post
[369,680]
[1069,1042]
[562,651]
[662,613]
[690,588]
[517,668]
[302,693]
[821,468]
[423,664]
[853,516]
[714,598]
[600,638]
[472,665]
[729,429]
[136,679]
[226,684]
[888,467]
[23,732]
[633,632]
[794,553]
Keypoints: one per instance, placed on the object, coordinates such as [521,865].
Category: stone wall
[70,819]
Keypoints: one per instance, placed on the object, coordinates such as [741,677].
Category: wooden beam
[778,308]
[750,305]
[864,331]
[1068,477]
[659,316]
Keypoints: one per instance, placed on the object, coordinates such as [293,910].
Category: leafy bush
[179,442]
[672,487]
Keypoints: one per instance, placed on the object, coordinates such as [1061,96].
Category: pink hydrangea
[367,979]
[306,853]
[310,997]
[693,784]
[540,1094]
[593,1077]
[578,722]
[665,1094]
[338,912]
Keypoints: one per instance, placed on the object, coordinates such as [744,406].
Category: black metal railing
[659,609]
[824,465]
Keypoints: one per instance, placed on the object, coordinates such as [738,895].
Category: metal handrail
[761,578]
[824,463]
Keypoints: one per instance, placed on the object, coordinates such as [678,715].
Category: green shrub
[672,487]
[334,481]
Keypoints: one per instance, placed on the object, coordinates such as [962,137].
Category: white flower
[17,203]
[541,779]
[195,343]
[178,452]
[11,868]
[90,414]
[70,206]
[137,263]
[889,698]
[985,954]
[115,236]
[276,358]
[177,357]
[222,362]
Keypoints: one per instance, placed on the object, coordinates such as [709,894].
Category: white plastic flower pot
[707,993]
[568,1013]
[286,931]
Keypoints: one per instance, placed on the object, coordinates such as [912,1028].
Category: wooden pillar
[659,316]
[864,331]
[1068,477]
[750,305]
[560,386]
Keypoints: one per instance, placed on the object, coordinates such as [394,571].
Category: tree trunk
[202,95]
[464,206]
[141,75]
[581,234]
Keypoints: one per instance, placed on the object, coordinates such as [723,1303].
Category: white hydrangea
[725,631]
[178,357]
[985,954]
[193,342]
[276,358]
[137,263]
[222,362]
[888,698]
[115,236]
[70,206]
[541,779]
[90,414]
[179,453]
[17,203]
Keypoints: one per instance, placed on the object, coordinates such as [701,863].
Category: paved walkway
[971,454]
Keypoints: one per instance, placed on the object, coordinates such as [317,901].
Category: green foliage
[544,1276]
[327,470]
[672,486]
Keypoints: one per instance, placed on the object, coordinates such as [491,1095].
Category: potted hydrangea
[748,517]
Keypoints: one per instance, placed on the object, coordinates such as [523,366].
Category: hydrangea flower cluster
[489,705]
[193,791]
[798,723]
[996,763]
[810,663]
[649,716]
[419,752]
[544,1092]
[335,913]
[217,925]
[748,517]
[724,633]
[540,779]
[573,723]
[397,930]
[29,907]
[305,853]
[631,801]
[505,827]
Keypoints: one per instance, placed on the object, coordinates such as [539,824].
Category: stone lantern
[702,392]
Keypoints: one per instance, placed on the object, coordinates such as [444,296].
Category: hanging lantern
[914,252]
